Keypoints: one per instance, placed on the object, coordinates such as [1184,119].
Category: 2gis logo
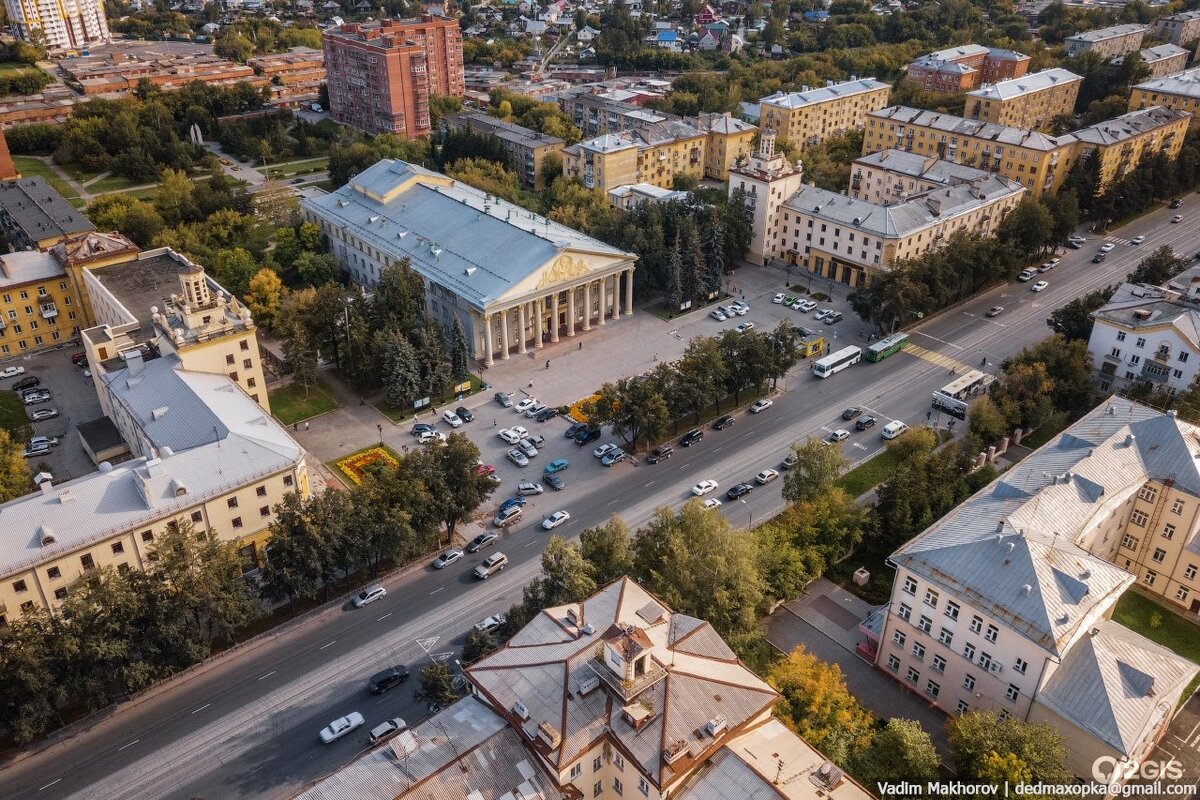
[1111,771]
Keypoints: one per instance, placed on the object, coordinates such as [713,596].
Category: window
[619,762]
[1138,517]
[925,624]
[963,707]
[1159,555]
[931,598]
[1120,336]
[118,548]
[598,789]
[147,536]
[1012,693]
[969,651]
[914,676]
[992,632]
[237,522]
[945,636]
[597,764]
[1130,542]
[197,516]
[905,612]
[1190,572]
[261,491]
[1151,577]
[898,638]
[910,586]
[893,663]
[54,573]
[969,683]
[1148,493]
[644,787]
[952,609]
[1168,531]
[939,663]
[932,688]
[1181,593]
[1141,342]
[246,363]
[287,480]
[27,605]
[60,594]
[229,359]
[985,660]
[617,785]
[1177,507]
[576,770]
[976,624]
[87,561]
[232,502]
[918,651]
[1020,665]
[20,587]
[264,511]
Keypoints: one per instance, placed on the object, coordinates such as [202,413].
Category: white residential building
[768,179]
[65,24]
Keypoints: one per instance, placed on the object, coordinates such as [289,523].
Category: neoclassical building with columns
[514,279]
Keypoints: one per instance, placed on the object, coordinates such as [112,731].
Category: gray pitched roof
[1135,306]
[1185,84]
[948,123]
[1026,84]
[823,94]
[1112,32]
[1128,125]
[39,210]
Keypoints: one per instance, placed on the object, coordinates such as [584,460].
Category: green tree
[14,472]
[234,269]
[459,490]
[675,278]
[1074,320]
[701,375]
[986,421]
[607,549]
[552,168]
[1027,226]
[437,685]
[986,747]
[33,688]
[634,407]
[477,645]
[399,298]
[901,751]
[264,296]
[399,369]
[566,576]
[173,200]
[460,352]
[817,466]
[301,356]
[1158,267]
[316,269]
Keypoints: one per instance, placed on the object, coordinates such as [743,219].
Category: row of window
[933,688]
[37,340]
[618,787]
[41,292]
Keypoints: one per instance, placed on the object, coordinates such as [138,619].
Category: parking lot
[73,396]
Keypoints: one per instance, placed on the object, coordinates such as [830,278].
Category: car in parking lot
[484,539]
[760,405]
[778,298]
[47,441]
[525,405]
[740,307]
[745,326]
[691,437]
[504,399]
[865,422]
[341,726]
[519,500]
[489,624]
[1040,286]
[431,436]
[388,679]
[806,305]
[517,457]
[511,435]
[995,311]
[738,491]
[704,487]
[718,315]
[485,470]
[452,419]
[822,314]
[36,452]
[421,427]
[660,453]
[464,414]
[11,372]
[27,383]
[528,448]
[1107,247]
[574,428]
[526,488]
[557,465]
[893,429]
[1049,265]
[447,557]
[1026,275]
[555,482]
[369,595]
[790,460]
[384,730]
[834,318]
[587,436]
[43,413]
[35,398]
[554,520]
[603,449]
[508,516]
[765,477]
[1138,239]
[491,565]
[613,456]
[851,412]
[723,422]
[840,435]
[535,409]
[546,414]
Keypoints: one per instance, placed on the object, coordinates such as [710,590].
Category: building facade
[809,117]
[1180,92]
[765,182]
[1112,42]
[1031,101]
[65,24]
[513,279]
[1120,143]
[380,75]
[526,148]
[294,77]
[728,141]
[656,154]
[1181,29]
[965,67]
[890,177]
[1164,59]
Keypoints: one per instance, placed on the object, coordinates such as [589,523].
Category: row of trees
[1154,179]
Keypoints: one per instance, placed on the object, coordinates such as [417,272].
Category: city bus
[885,347]
[953,397]
[836,362]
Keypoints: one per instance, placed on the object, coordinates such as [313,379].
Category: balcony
[627,689]
[1155,372]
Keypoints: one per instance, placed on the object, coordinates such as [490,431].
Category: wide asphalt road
[247,726]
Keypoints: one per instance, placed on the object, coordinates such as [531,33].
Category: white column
[616,296]
[602,300]
[554,317]
[537,328]
[504,335]
[629,291]
[523,335]
[487,355]
[587,306]
[571,311]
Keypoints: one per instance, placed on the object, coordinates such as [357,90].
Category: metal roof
[1162,52]
[26,266]
[1186,84]
[915,165]
[1137,307]
[958,52]
[950,124]
[1026,84]
[1113,32]
[837,91]
[501,129]
[39,210]
[1129,125]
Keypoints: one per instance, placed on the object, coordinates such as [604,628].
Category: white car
[341,726]
[712,503]
[822,314]
[534,410]
[840,435]
[447,558]
[554,520]
[428,437]
[1026,275]
[517,457]
[43,413]
[717,315]
[369,595]
[491,623]
[806,305]
[1137,239]
[778,298]
[761,405]
[600,451]
[704,487]
[525,405]
[11,372]
[511,435]
[765,477]
[526,488]
[740,307]
[745,326]
[1107,247]
[452,419]
[1039,286]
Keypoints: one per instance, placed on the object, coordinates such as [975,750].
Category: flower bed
[354,465]
[577,412]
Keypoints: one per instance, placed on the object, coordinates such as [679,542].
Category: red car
[485,469]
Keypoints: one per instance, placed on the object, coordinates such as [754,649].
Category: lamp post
[749,510]
[379,427]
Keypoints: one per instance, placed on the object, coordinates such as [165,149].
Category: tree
[701,375]
[1028,226]
[173,201]
[552,167]
[14,471]
[437,685]
[431,355]
[301,356]
[901,751]
[988,748]
[32,689]
[817,705]
[459,490]
[234,268]
[634,407]
[817,466]
[460,363]
[316,269]
[607,549]
[675,278]
[986,421]
[399,368]
[477,645]
[714,252]
[566,576]
[399,298]
[1074,320]
[264,296]
[1158,267]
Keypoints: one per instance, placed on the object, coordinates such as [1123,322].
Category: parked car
[893,429]
[557,465]
[834,318]
[491,565]
[525,405]
[554,520]
[555,482]
[790,460]
[36,452]
[35,398]
[504,399]
[447,558]
[11,372]
[765,477]
[490,624]
[864,423]
[428,437]
[745,326]
[704,487]
[712,503]
[341,726]
[740,306]
[546,414]
[806,305]
[822,314]
[840,435]
[486,538]
[369,595]
[79,359]
[587,436]
[691,437]
[1177,202]
[452,419]
[507,517]
[27,383]
[660,453]
[389,678]
[717,314]
[603,449]
[527,447]
[509,435]
[851,412]
[738,491]
[386,730]
[613,456]
[723,423]
[1040,286]
[421,427]
[1026,275]
[519,500]
[43,413]
[778,298]
[758,406]
[526,488]
[48,441]
[574,428]
[1076,242]
[995,311]
[517,457]
[535,409]
[464,414]
[486,470]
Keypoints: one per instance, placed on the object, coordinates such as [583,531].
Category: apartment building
[851,241]
[35,216]
[1181,29]
[965,67]
[120,72]
[1005,603]
[1035,160]
[1180,92]
[1120,143]
[1031,101]
[890,177]
[1164,59]
[380,75]
[809,117]
[631,195]
[62,25]
[728,141]
[655,154]
[1112,42]
[525,147]
[597,111]
[294,77]
[765,181]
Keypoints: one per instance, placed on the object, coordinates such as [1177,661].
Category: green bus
[885,347]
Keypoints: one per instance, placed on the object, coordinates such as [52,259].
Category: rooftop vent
[159,412]
[1130,439]
[46,535]
[401,234]
[65,496]
[716,726]
[520,710]
[1025,590]
[549,734]
[587,629]
[827,776]
[588,685]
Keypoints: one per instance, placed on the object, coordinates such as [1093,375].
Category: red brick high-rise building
[380,74]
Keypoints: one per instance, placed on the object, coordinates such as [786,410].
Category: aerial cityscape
[842,360]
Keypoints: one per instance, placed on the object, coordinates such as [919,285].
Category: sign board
[424,401]
[463,387]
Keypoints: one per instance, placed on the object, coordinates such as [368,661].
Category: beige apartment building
[653,154]
[1030,101]
[1121,142]
[1181,29]
[1112,42]
[766,181]
[1179,92]
[809,117]
[1164,59]
[890,177]
[728,142]
[526,148]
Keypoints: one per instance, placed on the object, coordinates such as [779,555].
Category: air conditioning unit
[520,710]
[588,685]
[716,726]
[996,666]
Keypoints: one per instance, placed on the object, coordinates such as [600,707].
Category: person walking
[581,345]
[547,363]
[531,384]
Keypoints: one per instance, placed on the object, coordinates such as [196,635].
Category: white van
[893,429]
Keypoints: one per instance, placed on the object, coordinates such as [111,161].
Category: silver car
[527,447]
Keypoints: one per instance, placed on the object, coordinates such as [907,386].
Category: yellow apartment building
[1030,101]
[654,154]
[729,142]
[1121,142]
[808,117]
[1178,92]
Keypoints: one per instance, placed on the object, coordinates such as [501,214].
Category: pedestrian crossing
[1116,240]
[940,359]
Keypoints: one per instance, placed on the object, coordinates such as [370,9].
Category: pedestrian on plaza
[493,422]
[530,384]
[928,416]
[295,426]
[547,363]
[581,345]
[656,356]
[305,426]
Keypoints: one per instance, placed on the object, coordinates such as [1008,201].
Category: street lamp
[748,509]
[379,427]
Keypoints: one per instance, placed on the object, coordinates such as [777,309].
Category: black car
[421,427]
[587,436]
[26,383]
[1096,259]
[554,482]
[1177,202]
[851,413]
[464,414]
[691,437]
[660,453]
[864,423]
[741,490]
[574,428]
[723,423]
[547,413]
[388,679]
[800,330]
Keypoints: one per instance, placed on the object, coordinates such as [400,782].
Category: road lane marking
[201,708]
[613,503]
[131,744]
[650,483]
[385,616]
[717,449]
[51,783]
[685,466]
[435,591]
[322,647]
[531,541]
[269,674]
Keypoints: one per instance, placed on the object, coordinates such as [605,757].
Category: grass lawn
[77,172]
[12,414]
[289,405]
[113,183]
[29,166]
[869,474]
[149,193]
[297,168]
[1137,612]
[10,69]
